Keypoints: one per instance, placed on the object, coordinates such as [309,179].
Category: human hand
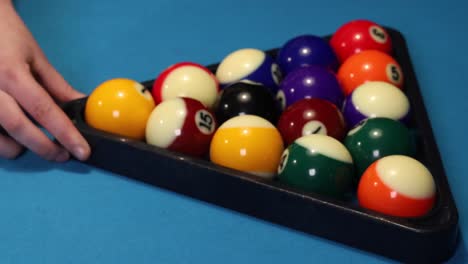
[28,83]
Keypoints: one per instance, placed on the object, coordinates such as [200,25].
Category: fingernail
[62,156]
[80,153]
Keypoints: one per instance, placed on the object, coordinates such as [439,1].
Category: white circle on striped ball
[381,99]
[406,175]
[186,79]
[165,123]
[325,145]
[249,64]
[239,64]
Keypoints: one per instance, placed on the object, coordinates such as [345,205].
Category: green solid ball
[318,164]
[376,138]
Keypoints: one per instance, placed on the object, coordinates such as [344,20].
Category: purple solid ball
[310,82]
[306,50]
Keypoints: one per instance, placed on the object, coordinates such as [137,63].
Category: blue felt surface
[72,213]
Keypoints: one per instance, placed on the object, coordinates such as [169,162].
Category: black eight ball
[246,97]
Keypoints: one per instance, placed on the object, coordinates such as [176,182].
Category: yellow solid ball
[120,106]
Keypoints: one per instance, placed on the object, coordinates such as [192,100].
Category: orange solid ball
[369,65]
[120,106]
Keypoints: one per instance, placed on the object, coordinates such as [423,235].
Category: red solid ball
[359,35]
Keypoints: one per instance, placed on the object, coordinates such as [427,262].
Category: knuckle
[12,75]
[14,125]
[68,136]
[64,134]
[8,77]
[41,110]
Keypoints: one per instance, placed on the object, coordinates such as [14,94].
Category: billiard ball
[182,125]
[369,65]
[306,50]
[310,82]
[249,64]
[311,116]
[376,138]
[360,35]
[319,164]
[119,106]
[247,143]
[186,79]
[246,98]
[376,99]
[399,186]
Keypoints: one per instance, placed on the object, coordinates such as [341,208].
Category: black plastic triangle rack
[428,239]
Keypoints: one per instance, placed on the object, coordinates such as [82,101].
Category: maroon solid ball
[311,116]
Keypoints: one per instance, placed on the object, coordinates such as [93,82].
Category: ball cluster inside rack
[323,116]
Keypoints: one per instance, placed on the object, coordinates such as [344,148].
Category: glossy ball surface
[306,50]
[310,82]
[119,106]
[376,138]
[398,186]
[311,116]
[247,143]
[249,64]
[182,125]
[369,65]
[246,98]
[186,79]
[376,99]
[318,164]
[360,35]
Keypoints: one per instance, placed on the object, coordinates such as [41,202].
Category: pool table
[76,213]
